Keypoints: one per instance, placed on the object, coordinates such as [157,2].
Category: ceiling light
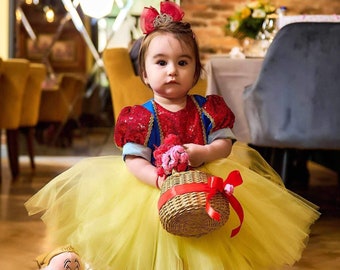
[96,8]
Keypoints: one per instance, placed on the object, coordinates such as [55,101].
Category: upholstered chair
[30,106]
[294,105]
[12,86]
[126,87]
[58,106]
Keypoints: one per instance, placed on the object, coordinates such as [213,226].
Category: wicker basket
[185,215]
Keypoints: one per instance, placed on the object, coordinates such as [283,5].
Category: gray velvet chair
[295,101]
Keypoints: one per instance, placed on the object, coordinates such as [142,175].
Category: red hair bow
[150,18]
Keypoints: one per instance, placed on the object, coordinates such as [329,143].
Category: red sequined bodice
[185,123]
[135,123]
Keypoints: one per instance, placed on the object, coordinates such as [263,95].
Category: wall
[209,17]
[68,53]
[4,27]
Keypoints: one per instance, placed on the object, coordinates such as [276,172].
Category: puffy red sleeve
[133,125]
[219,112]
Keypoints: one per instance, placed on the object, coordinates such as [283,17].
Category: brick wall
[209,17]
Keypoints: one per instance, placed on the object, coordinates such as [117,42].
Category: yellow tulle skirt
[112,220]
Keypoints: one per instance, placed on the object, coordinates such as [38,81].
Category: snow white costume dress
[111,218]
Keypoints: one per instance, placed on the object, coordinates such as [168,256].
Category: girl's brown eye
[161,63]
[182,63]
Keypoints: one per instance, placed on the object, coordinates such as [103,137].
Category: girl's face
[169,67]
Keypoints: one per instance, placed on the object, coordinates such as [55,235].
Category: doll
[61,258]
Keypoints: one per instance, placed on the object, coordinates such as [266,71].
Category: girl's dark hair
[183,33]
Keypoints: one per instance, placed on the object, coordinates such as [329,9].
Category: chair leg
[0,158]
[57,132]
[280,161]
[13,152]
[29,135]
[294,171]
[284,165]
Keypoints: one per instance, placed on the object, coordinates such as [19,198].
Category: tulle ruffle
[111,219]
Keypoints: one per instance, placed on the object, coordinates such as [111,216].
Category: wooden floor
[22,238]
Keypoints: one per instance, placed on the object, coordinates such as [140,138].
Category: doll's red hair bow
[150,18]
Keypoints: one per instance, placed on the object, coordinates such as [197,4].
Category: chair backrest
[295,101]
[32,95]
[12,85]
[58,105]
[78,98]
[126,88]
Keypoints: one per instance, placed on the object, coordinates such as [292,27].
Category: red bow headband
[150,18]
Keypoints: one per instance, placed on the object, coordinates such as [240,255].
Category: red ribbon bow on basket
[215,184]
[150,18]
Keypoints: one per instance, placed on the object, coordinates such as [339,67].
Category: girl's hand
[196,154]
[199,154]
[160,181]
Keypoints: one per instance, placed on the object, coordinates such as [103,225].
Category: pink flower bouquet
[171,156]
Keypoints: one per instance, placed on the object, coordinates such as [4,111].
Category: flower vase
[253,48]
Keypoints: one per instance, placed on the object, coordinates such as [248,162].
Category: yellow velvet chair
[31,104]
[12,86]
[127,88]
[59,105]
